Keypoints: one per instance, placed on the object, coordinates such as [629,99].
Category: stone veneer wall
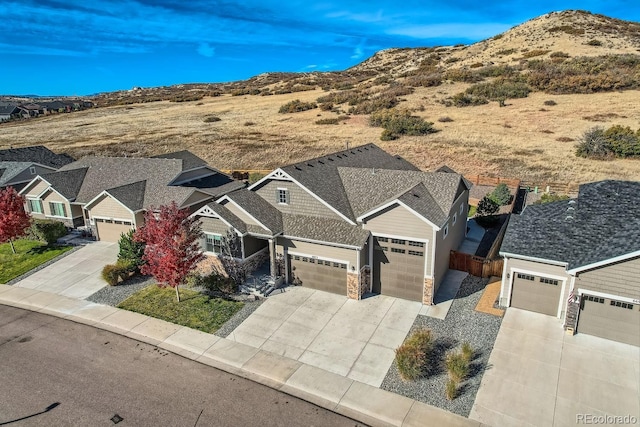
[353,286]
[427,293]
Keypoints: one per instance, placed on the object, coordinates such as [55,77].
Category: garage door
[398,268]
[610,319]
[536,293]
[110,231]
[318,273]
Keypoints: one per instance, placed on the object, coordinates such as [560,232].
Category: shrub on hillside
[296,106]
[465,100]
[594,42]
[212,119]
[399,122]
[499,89]
[413,354]
[46,231]
[550,197]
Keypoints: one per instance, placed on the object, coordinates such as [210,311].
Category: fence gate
[475,265]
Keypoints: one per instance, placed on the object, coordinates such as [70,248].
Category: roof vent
[373,171]
[321,162]
[568,218]
[416,195]
[310,165]
[330,159]
[297,168]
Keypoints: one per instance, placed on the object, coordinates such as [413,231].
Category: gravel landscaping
[114,295]
[231,324]
[462,324]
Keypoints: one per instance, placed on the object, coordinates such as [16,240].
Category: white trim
[371,262]
[286,195]
[534,259]
[31,181]
[207,212]
[562,298]
[105,192]
[64,208]
[504,280]
[454,219]
[445,231]
[433,259]
[320,242]
[206,252]
[362,217]
[228,199]
[604,262]
[395,236]
[35,199]
[340,261]
[606,295]
[512,275]
[358,264]
[281,175]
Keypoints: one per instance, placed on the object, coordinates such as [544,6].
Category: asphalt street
[55,372]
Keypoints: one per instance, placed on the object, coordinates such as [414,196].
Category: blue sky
[79,47]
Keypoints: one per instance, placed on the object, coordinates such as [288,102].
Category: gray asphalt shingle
[602,223]
[67,182]
[324,230]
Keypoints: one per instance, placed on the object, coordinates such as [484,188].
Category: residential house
[9,111]
[18,166]
[110,195]
[353,222]
[579,261]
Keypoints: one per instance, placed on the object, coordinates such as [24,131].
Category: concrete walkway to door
[76,275]
[354,339]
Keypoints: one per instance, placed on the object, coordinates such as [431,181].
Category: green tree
[501,195]
[131,250]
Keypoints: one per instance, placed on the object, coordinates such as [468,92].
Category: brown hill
[554,80]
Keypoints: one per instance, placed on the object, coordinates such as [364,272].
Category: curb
[328,390]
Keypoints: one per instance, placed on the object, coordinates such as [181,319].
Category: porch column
[272,257]
[371,262]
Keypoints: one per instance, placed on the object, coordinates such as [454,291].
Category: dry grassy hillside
[527,138]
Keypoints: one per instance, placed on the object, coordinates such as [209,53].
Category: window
[327,263]
[416,244]
[416,253]
[461,208]
[526,277]
[446,231]
[343,266]
[548,281]
[397,251]
[57,209]
[384,248]
[622,304]
[398,241]
[32,170]
[382,239]
[213,243]
[282,196]
[455,218]
[594,299]
[35,206]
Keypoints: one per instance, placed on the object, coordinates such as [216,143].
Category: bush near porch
[29,254]
[194,310]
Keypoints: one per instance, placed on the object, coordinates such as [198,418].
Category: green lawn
[194,310]
[472,211]
[30,254]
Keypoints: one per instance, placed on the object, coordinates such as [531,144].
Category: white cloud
[458,30]
[206,50]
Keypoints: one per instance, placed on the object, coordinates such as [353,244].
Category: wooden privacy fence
[552,187]
[491,181]
[475,265]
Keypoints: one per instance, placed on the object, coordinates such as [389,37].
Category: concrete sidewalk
[329,390]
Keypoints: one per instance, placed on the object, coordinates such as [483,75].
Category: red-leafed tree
[172,248]
[13,219]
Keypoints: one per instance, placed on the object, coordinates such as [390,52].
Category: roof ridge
[358,148]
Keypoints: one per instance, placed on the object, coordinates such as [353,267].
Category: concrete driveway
[76,275]
[540,376]
[355,339]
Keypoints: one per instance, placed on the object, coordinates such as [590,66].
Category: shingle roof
[324,229]
[429,193]
[7,108]
[320,175]
[189,160]
[258,208]
[602,223]
[67,182]
[36,154]
[130,195]
[216,185]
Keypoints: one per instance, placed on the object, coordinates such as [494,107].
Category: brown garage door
[318,273]
[536,293]
[110,231]
[398,268]
[610,319]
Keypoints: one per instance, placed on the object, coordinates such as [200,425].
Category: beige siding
[139,219]
[108,207]
[398,221]
[454,238]
[196,197]
[214,226]
[321,251]
[622,279]
[239,213]
[37,189]
[300,201]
